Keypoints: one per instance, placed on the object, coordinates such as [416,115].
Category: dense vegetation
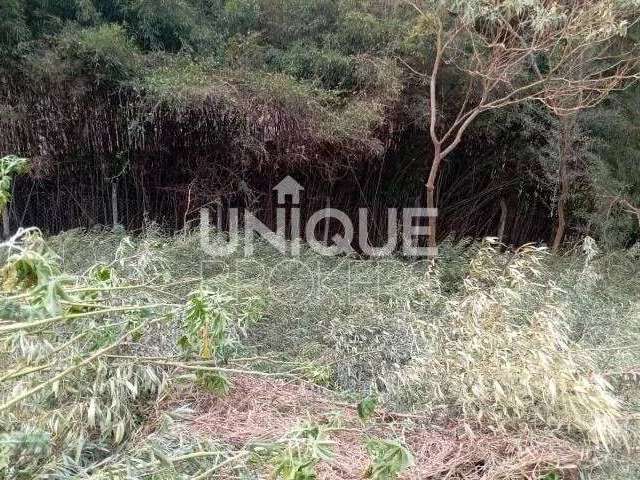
[179,102]
[129,353]
[121,361]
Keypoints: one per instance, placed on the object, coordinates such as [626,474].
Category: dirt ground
[259,409]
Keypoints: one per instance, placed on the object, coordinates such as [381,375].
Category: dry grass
[259,410]
[509,360]
[478,319]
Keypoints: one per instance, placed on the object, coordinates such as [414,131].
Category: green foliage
[113,43]
[304,447]
[509,357]
[214,320]
[206,323]
[10,166]
[395,324]
[45,17]
[614,169]
[112,11]
[105,54]
[13,26]
[246,51]
[552,476]
[285,21]
[362,32]
[164,25]
[367,407]
[241,16]
[80,382]
[213,382]
[18,448]
[388,459]
[499,341]
[34,267]
[103,273]
[374,54]
[328,67]
[60,396]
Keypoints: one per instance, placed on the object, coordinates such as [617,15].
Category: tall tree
[569,55]
[614,169]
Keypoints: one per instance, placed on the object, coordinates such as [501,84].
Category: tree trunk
[6,228]
[114,202]
[327,219]
[565,152]
[431,198]
[562,222]
[503,219]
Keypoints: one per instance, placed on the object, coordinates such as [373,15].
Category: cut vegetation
[130,358]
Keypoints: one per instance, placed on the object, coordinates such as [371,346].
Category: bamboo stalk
[114,202]
[181,458]
[109,289]
[229,460]
[99,305]
[72,316]
[24,371]
[132,287]
[6,228]
[202,368]
[70,370]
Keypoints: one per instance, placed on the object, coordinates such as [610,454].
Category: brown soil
[259,409]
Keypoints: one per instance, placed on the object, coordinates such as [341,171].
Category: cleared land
[137,357]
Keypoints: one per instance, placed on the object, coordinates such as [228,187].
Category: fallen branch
[71,369]
[14,327]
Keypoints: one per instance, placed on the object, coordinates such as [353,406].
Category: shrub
[106,54]
[327,67]
[164,24]
[241,16]
[245,51]
[508,357]
[13,28]
[285,21]
[361,32]
[10,166]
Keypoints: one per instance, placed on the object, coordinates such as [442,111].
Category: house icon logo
[288,186]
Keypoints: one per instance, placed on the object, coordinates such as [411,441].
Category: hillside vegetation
[133,358]
[175,103]
[510,352]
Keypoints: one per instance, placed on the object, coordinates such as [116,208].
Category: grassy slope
[341,328]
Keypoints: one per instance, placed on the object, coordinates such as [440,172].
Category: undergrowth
[109,341]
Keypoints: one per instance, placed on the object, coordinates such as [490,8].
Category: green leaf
[184,343]
[552,476]
[103,274]
[213,382]
[136,335]
[51,300]
[388,459]
[367,406]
